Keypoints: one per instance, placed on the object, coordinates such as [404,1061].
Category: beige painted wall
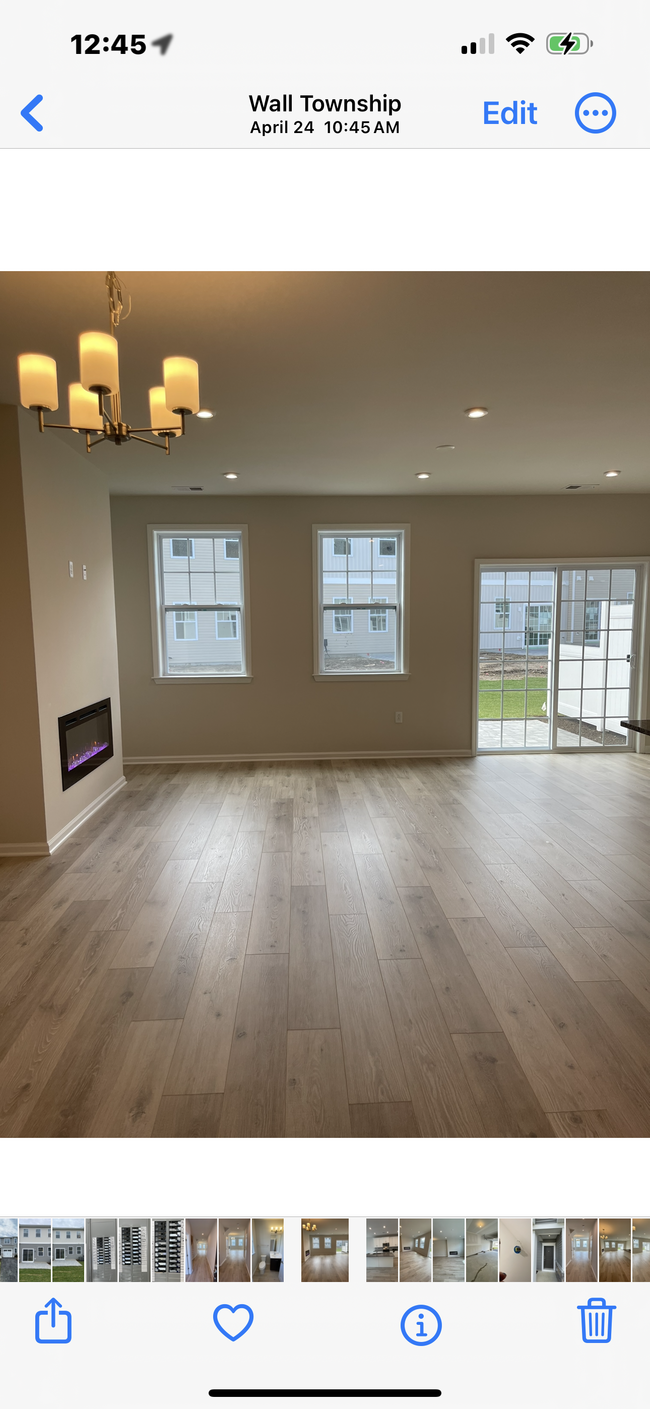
[284,710]
[67,517]
[22,808]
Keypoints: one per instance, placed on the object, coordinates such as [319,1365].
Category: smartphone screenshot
[324,784]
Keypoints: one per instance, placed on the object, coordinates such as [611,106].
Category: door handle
[631,659]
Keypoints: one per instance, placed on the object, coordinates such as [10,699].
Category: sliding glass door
[556,656]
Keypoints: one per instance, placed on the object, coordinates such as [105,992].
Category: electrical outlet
[84,572]
[71,569]
[398,716]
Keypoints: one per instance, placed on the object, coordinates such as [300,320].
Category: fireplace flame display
[86,739]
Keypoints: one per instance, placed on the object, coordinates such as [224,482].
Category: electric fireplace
[86,739]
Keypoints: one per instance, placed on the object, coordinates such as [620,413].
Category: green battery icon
[568,43]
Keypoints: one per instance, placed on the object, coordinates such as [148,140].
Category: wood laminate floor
[448,1269]
[641,1267]
[382,1274]
[413,1268]
[201,1271]
[579,1269]
[455,947]
[482,1267]
[330,1268]
[234,1268]
[614,1267]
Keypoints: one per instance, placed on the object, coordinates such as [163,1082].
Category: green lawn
[67,1274]
[35,1274]
[489,700]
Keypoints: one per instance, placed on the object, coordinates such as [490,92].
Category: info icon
[421,1325]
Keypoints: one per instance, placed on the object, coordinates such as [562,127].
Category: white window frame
[374,530]
[640,687]
[155,532]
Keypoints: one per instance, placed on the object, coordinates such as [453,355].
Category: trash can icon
[596,1321]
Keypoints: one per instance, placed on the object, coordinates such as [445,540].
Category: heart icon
[225,1315]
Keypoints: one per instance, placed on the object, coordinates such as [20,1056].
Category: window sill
[364,675]
[199,679]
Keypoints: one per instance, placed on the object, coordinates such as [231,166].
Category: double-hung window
[359,600]
[199,603]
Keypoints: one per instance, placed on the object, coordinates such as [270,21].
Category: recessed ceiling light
[230,475]
[474,412]
[205,415]
[611,474]
[445,447]
[423,475]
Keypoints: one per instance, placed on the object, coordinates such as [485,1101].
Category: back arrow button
[26,112]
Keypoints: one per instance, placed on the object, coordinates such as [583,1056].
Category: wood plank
[442,874]
[67,1103]
[317,1101]
[129,1105]
[240,881]
[124,906]
[397,853]
[583,1125]
[462,1000]
[279,828]
[200,1062]
[391,931]
[213,861]
[188,1118]
[312,985]
[623,960]
[629,1022]
[194,837]
[372,1060]
[144,940]
[491,900]
[385,1121]
[441,1097]
[617,914]
[547,1062]
[508,1105]
[341,880]
[307,859]
[254,1101]
[563,896]
[474,835]
[32,969]
[269,931]
[361,830]
[172,977]
[558,935]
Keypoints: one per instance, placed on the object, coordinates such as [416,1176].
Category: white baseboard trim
[70,827]
[297,757]
[24,848]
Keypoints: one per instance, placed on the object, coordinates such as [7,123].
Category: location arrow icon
[26,112]
[164,43]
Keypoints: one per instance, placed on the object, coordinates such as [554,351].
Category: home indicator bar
[325,1393]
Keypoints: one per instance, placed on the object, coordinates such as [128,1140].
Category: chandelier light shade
[98,363]
[84,411]
[181,378]
[162,420]
[37,381]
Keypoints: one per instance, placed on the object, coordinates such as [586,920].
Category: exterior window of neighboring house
[57,1234]
[342,620]
[185,626]
[68,1235]
[502,613]
[41,1251]
[359,594]
[37,1233]
[199,603]
[539,624]
[227,626]
[79,1251]
[378,620]
[182,547]
[592,623]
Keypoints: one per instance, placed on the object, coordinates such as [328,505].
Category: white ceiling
[331,383]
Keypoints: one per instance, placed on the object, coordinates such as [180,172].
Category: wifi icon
[520,42]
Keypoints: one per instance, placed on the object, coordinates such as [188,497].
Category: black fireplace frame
[79,716]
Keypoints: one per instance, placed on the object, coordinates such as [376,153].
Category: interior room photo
[615,1260]
[101,1250]
[641,1249]
[582,1249]
[415,1249]
[482,1250]
[234,1250]
[515,1238]
[382,1249]
[8,1249]
[68,1243]
[549,1257]
[325,1249]
[448,1250]
[34,1250]
[201,1246]
[324,809]
[267,1249]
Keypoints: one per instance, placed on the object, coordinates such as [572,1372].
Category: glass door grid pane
[595,656]
[515,657]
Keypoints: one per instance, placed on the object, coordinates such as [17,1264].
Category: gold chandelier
[99,384]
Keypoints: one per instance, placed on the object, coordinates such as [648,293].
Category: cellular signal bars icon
[479,48]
